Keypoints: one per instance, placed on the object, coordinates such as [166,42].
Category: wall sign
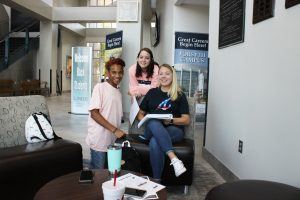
[290,3]
[128,11]
[262,10]
[231,23]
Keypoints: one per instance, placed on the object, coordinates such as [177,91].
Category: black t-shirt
[158,102]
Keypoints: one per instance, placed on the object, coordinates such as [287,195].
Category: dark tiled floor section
[74,127]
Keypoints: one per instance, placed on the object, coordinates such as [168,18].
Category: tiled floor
[74,127]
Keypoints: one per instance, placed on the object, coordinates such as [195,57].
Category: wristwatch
[171,122]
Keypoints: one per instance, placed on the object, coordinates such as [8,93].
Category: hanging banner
[191,49]
[81,79]
[191,64]
[191,61]
[113,46]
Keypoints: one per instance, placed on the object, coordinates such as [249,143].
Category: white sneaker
[178,166]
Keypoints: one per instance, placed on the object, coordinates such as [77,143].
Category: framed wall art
[231,23]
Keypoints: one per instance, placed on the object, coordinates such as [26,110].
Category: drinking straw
[115,177]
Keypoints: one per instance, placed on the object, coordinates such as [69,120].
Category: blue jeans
[97,159]
[161,138]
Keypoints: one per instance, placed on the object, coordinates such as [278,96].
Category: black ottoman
[253,190]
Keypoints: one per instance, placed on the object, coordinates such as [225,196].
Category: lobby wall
[184,18]
[163,52]
[68,40]
[254,97]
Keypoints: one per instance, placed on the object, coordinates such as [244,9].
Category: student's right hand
[119,133]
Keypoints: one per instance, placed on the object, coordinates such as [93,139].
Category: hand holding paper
[134,109]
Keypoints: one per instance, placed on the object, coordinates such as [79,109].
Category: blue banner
[191,49]
[81,79]
[191,64]
[113,47]
[114,40]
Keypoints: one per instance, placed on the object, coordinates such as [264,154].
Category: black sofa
[24,167]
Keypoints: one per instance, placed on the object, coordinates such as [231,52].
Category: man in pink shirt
[105,113]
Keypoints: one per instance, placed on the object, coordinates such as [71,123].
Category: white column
[47,55]
[132,40]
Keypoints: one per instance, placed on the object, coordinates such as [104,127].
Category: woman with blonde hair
[165,99]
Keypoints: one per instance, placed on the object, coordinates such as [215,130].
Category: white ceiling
[193,2]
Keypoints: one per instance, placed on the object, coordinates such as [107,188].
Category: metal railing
[11,55]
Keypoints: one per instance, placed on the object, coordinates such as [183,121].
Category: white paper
[134,110]
[134,181]
[152,196]
[200,108]
[154,116]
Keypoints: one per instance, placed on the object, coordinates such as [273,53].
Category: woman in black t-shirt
[166,99]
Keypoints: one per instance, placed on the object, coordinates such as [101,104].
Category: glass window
[108,2]
[100,2]
[194,83]
[93,2]
[96,54]
[185,82]
[97,46]
[98,60]
[178,73]
[106,25]
[101,25]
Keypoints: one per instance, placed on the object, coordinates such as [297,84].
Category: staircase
[13,47]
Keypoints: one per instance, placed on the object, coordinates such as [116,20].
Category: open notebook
[154,116]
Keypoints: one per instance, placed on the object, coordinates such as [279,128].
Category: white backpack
[38,128]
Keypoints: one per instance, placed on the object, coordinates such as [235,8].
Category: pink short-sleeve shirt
[108,100]
[137,88]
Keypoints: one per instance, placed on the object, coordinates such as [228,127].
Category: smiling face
[144,59]
[115,75]
[165,77]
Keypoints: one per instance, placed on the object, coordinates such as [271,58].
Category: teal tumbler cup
[114,156]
